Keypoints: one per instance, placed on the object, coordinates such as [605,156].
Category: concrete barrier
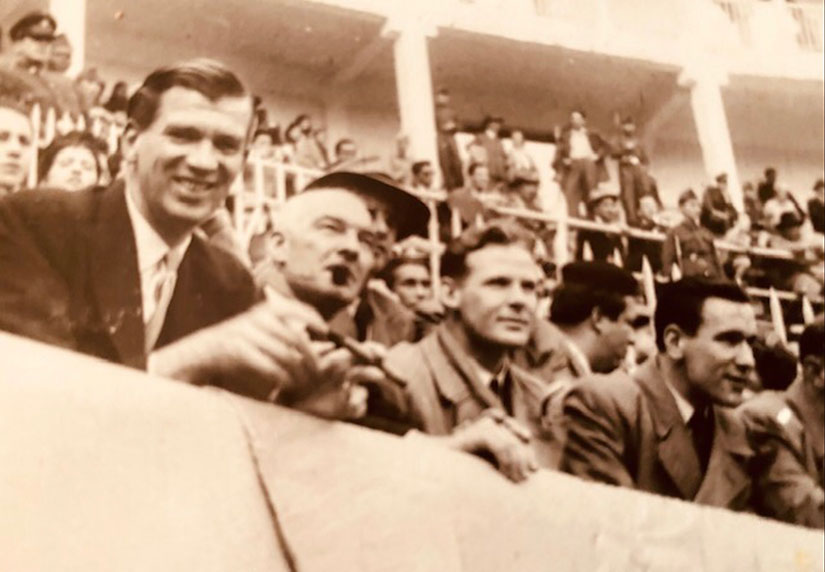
[104,468]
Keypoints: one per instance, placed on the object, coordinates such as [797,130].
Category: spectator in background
[786,428]
[765,190]
[633,178]
[423,176]
[487,148]
[449,160]
[753,206]
[604,208]
[718,213]
[816,207]
[346,156]
[689,245]
[579,163]
[520,163]
[264,144]
[91,86]
[649,219]
[70,163]
[444,112]
[409,279]
[804,274]
[400,163]
[31,38]
[782,202]
[16,147]
[469,201]
[308,151]
[60,54]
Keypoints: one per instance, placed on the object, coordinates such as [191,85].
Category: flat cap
[37,24]
[600,276]
[407,213]
[602,191]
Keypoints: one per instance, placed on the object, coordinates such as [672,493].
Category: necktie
[161,285]
[502,385]
[701,429]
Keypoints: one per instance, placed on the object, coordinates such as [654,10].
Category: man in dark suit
[689,245]
[669,428]
[579,163]
[119,273]
[788,427]
[718,213]
[460,383]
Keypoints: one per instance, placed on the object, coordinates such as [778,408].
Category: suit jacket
[70,276]
[600,148]
[782,427]
[718,213]
[628,431]
[377,318]
[443,389]
[691,247]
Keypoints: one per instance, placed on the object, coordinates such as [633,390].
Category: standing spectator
[31,38]
[520,163]
[449,160]
[423,176]
[690,245]
[308,151]
[60,54]
[70,163]
[346,156]
[633,178]
[782,202]
[444,112]
[487,148]
[765,191]
[649,219]
[668,428]
[16,147]
[816,207]
[579,163]
[400,163]
[754,208]
[718,213]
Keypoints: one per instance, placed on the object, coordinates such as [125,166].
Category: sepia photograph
[412,285]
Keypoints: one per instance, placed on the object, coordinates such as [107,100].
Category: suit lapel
[115,278]
[727,474]
[676,452]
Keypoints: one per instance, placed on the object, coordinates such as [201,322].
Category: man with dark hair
[787,428]
[669,428]
[579,163]
[422,176]
[689,245]
[409,279]
[121,273]
[634,181]
[469,201]
[718,213]
[16,147]
[460,383]
[816,206]
[766,190]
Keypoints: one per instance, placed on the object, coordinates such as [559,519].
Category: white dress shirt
[686,410]
[580,147]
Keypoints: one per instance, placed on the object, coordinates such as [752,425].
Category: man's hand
[502,437]
[259,353]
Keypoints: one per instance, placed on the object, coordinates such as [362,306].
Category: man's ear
[811,372]
[276,247]
[596,317]
[127,143]
[450,295]
[674,342]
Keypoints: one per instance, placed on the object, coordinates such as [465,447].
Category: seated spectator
[423,176]
[753,206]
[459,383]
[469,201]
[786,428]
[488,149]
[718,213]
[347,157]
[648,217]
[70,163]
[766,191]
[520,164]
[782,202]
[690,246]
[668,428]
[816,207]
[803,274]
[16,147]
[605,208]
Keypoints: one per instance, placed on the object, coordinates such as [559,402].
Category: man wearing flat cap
[689,245]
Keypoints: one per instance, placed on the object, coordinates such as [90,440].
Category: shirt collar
[151,248]
[684,406]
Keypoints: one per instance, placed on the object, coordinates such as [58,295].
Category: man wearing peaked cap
[31,38]
[690,245]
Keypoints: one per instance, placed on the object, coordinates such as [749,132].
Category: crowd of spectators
[335,313]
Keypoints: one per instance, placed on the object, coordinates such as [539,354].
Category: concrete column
[414,85]
[71,20]
[712,127]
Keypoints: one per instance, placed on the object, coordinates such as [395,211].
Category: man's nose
[744,357]
[350,246]
[202,156]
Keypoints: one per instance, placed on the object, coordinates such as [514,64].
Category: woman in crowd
[70,163]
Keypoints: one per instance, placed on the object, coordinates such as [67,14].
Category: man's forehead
[14,119]
[341,203]
[182,103]
[512,260]
[720,314]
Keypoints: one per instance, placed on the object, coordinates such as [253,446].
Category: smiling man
[670,427]
[460,382]
[121,274]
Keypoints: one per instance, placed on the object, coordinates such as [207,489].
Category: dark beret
[600,276]
[687,196]
[34,25]
[408,214]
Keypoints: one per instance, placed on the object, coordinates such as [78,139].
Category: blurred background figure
[70,163]
[16,147]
